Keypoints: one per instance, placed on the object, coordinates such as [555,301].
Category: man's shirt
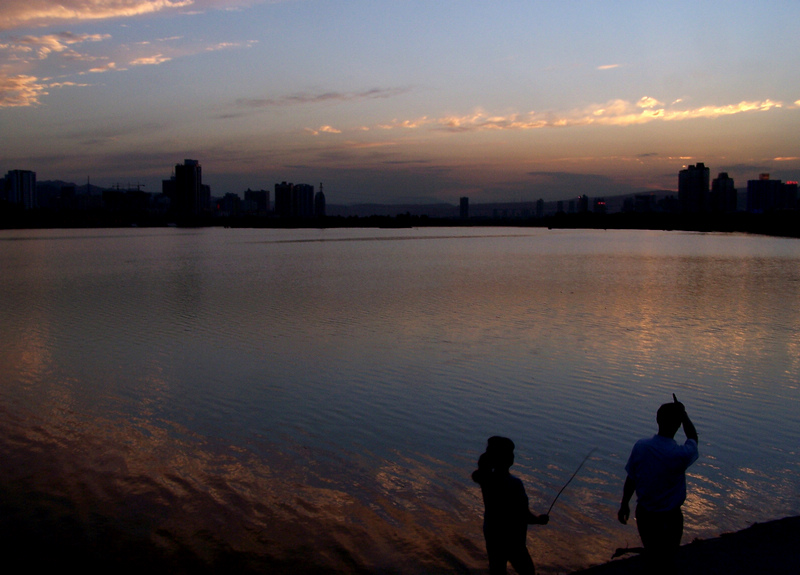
[658,468]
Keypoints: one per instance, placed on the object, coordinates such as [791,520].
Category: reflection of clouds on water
[323,402]
[204,502]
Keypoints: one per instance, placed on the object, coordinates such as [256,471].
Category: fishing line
[570,479]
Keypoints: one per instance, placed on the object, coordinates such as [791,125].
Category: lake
[315,400]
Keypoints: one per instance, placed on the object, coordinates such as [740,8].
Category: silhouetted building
[319,203]
[463,208]
[791,192]
[583,204]
[20,188]
[669,204]
[693,188]
[599,206]
[723,196]
[303,201]
[764,195]
[540,208]
[644,203]
[229,205]
[283,199]
[257,200]
[133,202]
[188,196]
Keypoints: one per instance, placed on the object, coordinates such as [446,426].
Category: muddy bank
[770,547]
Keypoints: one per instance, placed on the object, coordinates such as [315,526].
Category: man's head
[669,418]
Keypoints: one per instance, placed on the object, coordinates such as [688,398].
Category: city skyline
[401,102]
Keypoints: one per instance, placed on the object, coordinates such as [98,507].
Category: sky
[401,101]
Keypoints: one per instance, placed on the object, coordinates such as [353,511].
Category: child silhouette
[506,516]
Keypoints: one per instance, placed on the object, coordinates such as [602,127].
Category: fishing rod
[570,479]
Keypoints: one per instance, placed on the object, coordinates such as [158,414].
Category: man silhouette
[657,473]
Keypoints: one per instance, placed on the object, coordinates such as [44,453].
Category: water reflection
[320,397]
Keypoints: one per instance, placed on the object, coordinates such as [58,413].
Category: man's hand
[628,490]
[624,513]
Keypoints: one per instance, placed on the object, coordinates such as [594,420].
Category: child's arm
[537,519]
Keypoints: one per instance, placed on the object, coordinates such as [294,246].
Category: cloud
[408,124]
[19,13]
[323,129]
[20,55]
[20,91]
[43,46]
[110,67]
[648,102]
[608,67]
[612,113]
[24,90]
[67,85]
[227,45]
[306,98]
[406,162]
[150,60]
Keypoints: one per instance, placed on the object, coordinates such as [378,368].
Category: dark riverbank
[770,547]
[784,223]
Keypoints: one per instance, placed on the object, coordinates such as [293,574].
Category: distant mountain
[55,186]
[366,210]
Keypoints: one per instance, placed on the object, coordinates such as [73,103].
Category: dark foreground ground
[764,548]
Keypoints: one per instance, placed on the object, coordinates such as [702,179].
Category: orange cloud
[612,113]
[20,91]
[323,130]
[150,60]
[111,66]
[18,13]
[43,46]
[409,124]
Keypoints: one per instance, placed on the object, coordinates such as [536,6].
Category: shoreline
[778,224]
[769,547]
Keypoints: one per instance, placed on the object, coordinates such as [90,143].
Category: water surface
[309,400]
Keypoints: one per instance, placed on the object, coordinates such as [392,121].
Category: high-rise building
[765,195]
[693,188]
[319,203]
[583,204]
[463,206]
[283,199]
[303,201]
[723,196]
[599,206]
[187,193]
[258,200]
[20,188]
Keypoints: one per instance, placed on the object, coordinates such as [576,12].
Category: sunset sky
[401,101]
